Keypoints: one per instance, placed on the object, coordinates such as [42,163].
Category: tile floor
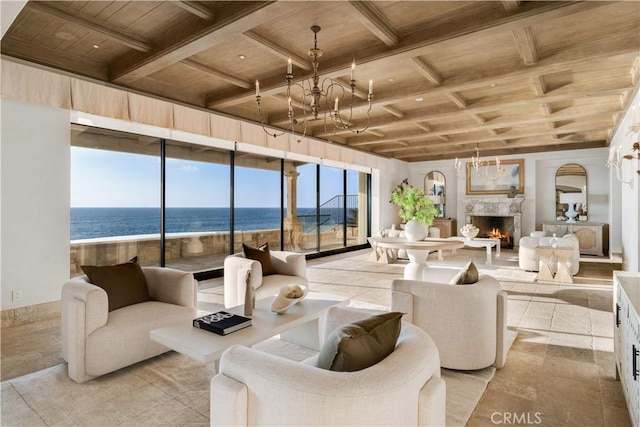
[558,372]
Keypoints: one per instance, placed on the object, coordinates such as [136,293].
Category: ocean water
[90,223]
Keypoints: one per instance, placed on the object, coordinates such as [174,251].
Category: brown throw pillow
[261,254]
[467,275]
[359,345]
[124,283]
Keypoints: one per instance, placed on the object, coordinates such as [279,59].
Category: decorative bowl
[469,231]
[288,296]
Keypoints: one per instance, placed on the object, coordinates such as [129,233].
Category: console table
[593,236]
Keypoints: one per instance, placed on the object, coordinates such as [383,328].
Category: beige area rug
[169,390]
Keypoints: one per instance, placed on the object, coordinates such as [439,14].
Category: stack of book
[222,322]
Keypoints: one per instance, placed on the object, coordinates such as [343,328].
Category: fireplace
[497,227]
[496,217]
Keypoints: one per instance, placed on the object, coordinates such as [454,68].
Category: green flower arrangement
[413,203]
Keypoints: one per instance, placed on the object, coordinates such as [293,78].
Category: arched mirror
[435,189]
[571,193]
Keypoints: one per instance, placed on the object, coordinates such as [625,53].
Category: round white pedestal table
[417,251]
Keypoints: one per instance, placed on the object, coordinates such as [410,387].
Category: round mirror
[435,189]
[571,193]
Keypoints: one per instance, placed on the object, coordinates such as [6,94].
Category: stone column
[292,224]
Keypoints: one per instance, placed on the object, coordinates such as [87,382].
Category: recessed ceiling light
[242,56]
[392,79]
[494,85]
[95,46]
[419,99]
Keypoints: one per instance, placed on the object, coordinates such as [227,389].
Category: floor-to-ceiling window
[188,206]
[197,200]
[115,198]
[257,200]
[332,208]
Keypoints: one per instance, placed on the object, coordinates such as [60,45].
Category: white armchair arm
[85,308]
[171,286]
[235,273]
[289,263]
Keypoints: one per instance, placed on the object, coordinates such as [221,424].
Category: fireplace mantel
[493,206]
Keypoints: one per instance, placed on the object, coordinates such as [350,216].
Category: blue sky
[101,178]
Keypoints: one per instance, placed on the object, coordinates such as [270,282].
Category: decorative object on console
[573,200]
[288,296]
[249,296]
[222,322]
[317,100]
[416,210]
[469,231]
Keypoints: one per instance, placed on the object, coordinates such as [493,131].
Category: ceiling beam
[374,21]
[417,43]
[457,99]
[195,8]
[121,37]
[526,44]
[427,70]
[263,41]
[194,37]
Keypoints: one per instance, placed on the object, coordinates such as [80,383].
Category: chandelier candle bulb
[289,67]
[257,88]
[370,87]
[353,70]
[336,106]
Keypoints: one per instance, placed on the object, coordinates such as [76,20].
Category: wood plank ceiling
[511,76]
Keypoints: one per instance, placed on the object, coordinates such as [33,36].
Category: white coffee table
[479,242]
[299,324]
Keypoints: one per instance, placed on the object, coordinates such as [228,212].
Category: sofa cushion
[124,284]
[467,275]
[361,344]
[262,255]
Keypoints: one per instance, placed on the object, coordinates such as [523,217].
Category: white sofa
[96,341]
[529,260]
[468,323]
[290,267]
[254,388]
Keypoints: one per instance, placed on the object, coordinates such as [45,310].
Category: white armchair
[529,260]
[290,267]
[468,323]
[255,388]
[96,341]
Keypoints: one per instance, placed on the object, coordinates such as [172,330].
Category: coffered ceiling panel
[511,76]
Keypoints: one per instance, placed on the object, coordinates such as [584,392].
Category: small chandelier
[476,163]
[317,98]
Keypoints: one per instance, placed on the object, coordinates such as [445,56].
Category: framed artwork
[489,181]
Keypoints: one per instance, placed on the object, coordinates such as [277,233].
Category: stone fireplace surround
[496,207]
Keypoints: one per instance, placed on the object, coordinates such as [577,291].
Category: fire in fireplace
[500,227]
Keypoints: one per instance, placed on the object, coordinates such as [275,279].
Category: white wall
[9,10]
[35,202]
[539,184]
[627,215]
[382,184]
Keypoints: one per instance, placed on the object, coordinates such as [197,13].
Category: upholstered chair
[529,260]
[256,388]
[467,322]
[290,269]
[96,341]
